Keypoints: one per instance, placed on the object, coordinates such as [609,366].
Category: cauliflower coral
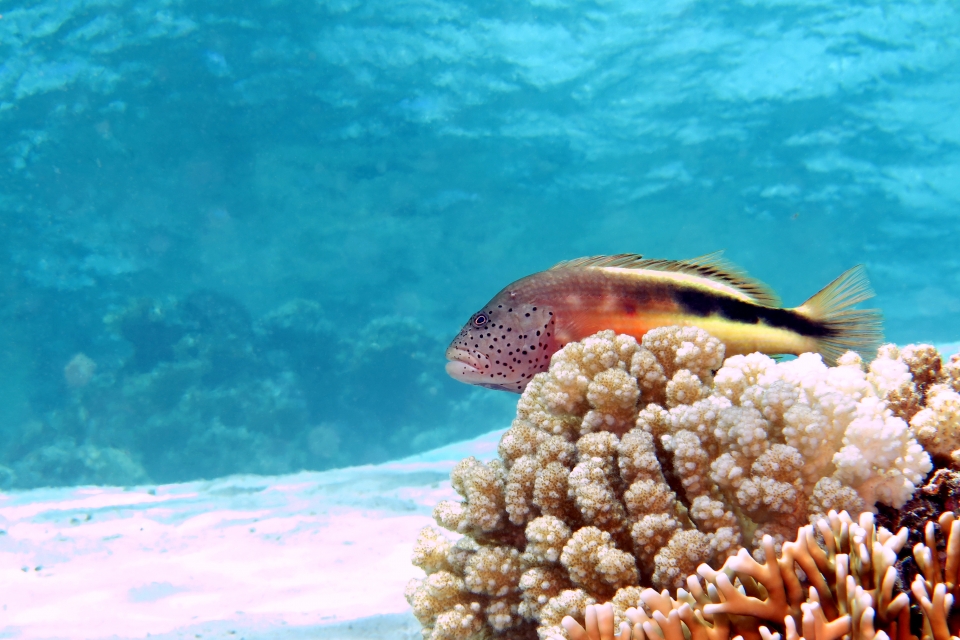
[938,425]
[633,463]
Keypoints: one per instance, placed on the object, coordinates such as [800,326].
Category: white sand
[319,555]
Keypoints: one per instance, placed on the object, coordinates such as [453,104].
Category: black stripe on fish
[704,304]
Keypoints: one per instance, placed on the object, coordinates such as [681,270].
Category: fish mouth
[463,366]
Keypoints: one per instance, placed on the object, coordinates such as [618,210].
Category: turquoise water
[237,236]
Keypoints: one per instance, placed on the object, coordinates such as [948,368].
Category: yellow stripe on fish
[512,337]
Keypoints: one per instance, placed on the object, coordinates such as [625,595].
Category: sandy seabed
[314,554]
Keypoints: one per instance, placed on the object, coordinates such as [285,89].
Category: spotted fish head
[503,346]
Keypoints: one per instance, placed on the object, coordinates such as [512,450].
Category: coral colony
[704,499]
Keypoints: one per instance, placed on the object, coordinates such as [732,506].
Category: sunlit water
[237,236]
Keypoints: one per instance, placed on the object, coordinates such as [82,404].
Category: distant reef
[197,388]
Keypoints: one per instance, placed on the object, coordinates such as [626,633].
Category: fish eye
[480,320]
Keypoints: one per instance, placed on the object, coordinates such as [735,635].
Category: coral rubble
[634,464]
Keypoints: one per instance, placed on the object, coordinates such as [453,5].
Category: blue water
[262,222]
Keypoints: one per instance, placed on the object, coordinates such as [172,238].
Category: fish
[512,337]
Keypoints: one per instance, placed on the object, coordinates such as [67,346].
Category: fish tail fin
[845,329]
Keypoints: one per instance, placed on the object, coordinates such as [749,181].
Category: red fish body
[513,336]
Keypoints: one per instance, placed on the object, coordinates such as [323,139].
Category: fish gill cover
[237,236]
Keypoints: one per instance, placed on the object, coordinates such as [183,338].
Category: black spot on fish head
[503,345]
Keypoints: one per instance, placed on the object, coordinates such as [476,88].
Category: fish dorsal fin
[711,266]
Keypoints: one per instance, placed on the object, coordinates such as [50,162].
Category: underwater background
[238,236]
